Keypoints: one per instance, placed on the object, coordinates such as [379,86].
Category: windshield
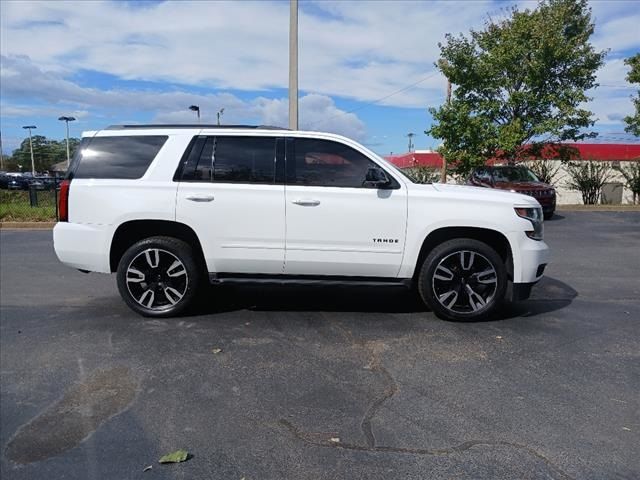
[514,174]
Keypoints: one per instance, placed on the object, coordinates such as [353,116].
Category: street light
[67,120]
[195,108]
[411,135]
[33,164]
[219,114]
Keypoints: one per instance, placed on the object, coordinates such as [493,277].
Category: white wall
[565,196]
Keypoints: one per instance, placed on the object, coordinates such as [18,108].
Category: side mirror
[376,178]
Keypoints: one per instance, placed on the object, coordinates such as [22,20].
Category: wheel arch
[133,231]
[493,238]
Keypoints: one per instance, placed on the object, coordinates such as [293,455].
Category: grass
[15,207]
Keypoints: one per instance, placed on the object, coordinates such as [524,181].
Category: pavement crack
[389,391]
[459,448]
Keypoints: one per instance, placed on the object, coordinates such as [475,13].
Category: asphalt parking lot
[325,383]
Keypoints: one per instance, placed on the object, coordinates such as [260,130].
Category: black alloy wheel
[463,279]
[158,276]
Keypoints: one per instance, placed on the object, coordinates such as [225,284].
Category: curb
[598,208]
[27,225]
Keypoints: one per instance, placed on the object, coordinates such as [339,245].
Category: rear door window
[226,159]
[118,157]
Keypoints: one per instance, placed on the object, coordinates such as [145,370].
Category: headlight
[534,215]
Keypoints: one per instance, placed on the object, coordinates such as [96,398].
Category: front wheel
[463,279]
[158,276]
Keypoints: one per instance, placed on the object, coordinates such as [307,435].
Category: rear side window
[227,159]
[117,157]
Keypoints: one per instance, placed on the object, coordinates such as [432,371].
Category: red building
[609,152]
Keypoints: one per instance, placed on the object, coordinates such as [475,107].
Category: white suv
[170,207]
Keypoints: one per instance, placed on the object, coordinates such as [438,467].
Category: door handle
[306,202]
[200,198]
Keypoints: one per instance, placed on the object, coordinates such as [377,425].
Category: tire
[158,276]
[463,280]
[548,215]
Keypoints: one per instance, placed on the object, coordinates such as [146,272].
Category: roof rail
[191,125]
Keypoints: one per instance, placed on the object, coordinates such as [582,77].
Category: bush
[422,174]
[545,170]
[588,177]
[631,173]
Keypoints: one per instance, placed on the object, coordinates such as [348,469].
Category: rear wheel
[158,276]
[548,215]
[463,279]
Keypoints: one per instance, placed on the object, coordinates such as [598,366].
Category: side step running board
[311,280]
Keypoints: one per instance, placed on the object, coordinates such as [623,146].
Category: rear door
[335,224]
[228,195]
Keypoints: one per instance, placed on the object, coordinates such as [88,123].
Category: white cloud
[618,34]
[611,100]
[21,111]
[360,50]
[21,79]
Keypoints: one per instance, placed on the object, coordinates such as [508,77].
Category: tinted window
[244,159]
[514,174]
[236,160]
[117,157]
[204,168]
[483,175]
[326,163]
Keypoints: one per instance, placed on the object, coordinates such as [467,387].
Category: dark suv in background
[517,179]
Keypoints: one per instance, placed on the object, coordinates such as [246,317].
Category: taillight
[63,201]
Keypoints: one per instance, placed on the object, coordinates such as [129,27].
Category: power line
[373,102]
[616,86]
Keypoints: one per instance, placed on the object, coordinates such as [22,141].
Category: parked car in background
[518,179]
[17,182]
[37,184]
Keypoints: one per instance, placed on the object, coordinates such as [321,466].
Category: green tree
[520,84]
[46,152]
[633,121]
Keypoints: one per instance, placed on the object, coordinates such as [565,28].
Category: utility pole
[293,65]
[67,120]
[219,114]
[33,164]
[411,135]
[443,172]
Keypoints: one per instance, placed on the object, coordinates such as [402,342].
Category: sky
[366,68]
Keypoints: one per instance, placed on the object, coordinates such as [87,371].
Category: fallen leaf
[175,457]
[148,467]
[216,350]
[334,440]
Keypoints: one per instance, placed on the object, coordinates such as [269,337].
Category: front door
[335,224]
[229,196]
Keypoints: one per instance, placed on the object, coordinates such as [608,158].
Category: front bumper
[529,257]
